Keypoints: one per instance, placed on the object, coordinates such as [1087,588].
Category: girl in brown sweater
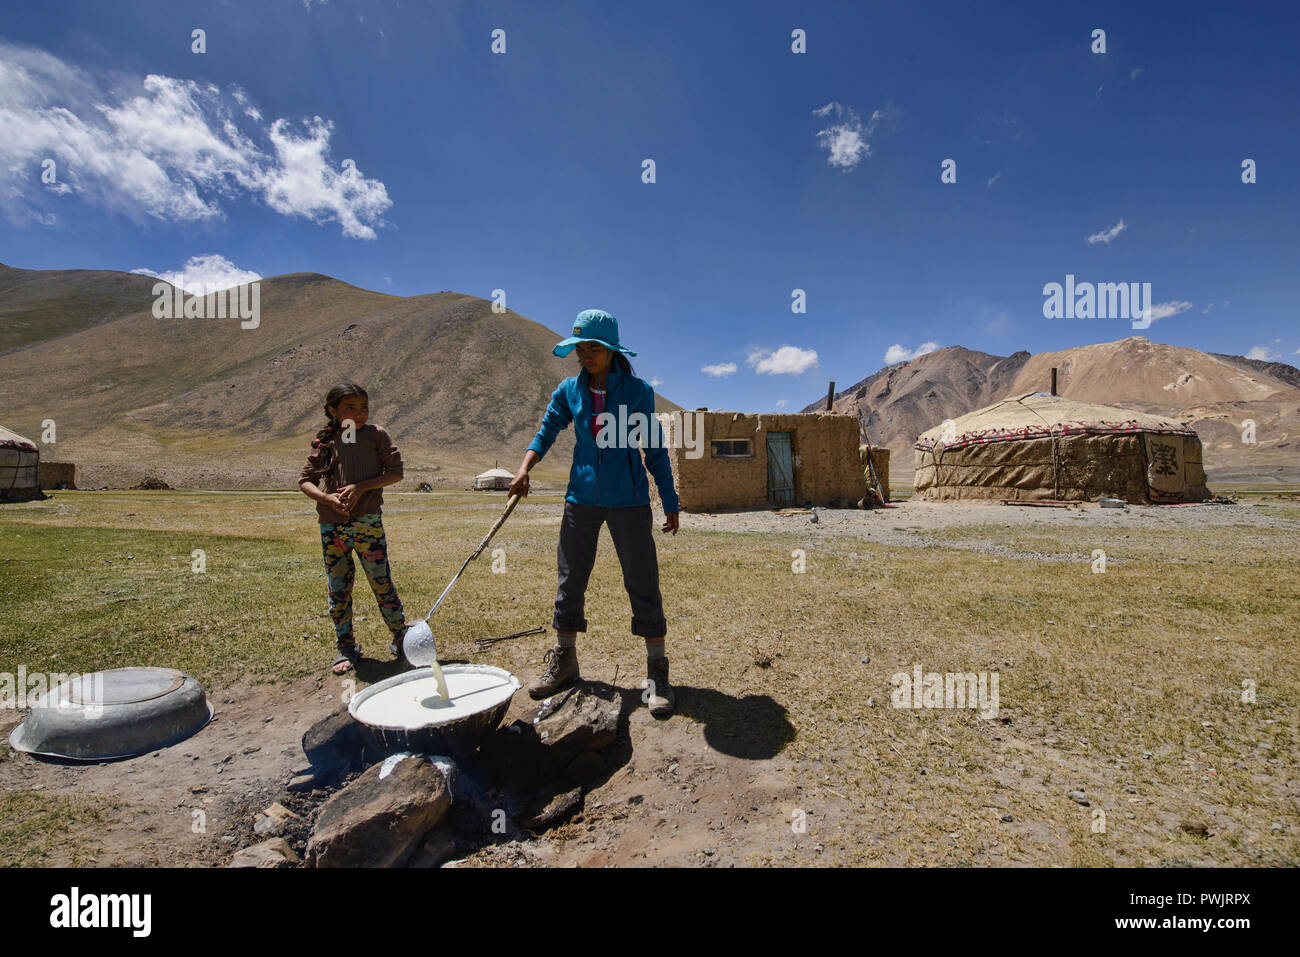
[353,461]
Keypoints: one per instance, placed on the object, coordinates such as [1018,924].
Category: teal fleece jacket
[612,477]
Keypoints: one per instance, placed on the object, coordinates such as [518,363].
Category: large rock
[561,806]
[579,722]
[334,745]
[439,846]
[545,741]
[585,767]
[380,818]
[276,819]
[273,853]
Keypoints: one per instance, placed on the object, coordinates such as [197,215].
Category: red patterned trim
[986,436]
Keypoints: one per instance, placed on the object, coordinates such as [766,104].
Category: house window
[732,448]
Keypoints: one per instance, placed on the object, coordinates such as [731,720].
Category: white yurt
[19,468]
[494,479]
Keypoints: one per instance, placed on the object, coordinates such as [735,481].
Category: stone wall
[823,446]
[57,475]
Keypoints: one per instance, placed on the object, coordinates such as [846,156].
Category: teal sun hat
[592,325]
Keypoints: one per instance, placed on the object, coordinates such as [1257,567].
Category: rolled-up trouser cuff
[650,629]
[569,624]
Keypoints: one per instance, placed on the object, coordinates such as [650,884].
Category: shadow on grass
[755,727]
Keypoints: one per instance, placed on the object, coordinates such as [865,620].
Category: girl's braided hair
[332,428]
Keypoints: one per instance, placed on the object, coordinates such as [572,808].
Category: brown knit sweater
[371,455]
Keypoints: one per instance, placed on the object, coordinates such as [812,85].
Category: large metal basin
[457,736]
[113,714]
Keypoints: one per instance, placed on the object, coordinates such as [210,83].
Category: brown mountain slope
[203,402]
[1217,394]
[44,304]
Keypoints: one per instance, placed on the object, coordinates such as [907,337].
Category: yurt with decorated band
[1041,446]
[19,468]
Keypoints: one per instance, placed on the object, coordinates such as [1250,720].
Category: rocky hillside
[206,403]
[1215,393]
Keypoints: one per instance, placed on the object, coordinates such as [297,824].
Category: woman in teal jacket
[613,415]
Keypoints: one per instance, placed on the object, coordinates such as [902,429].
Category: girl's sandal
[349,653]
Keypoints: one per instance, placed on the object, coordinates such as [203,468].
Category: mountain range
[206,403]
[1216,393]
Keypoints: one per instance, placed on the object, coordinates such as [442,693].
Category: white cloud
[656,382]
[1136,72]
[1106,235]
[1206,310]
[304,184]
[996,176]
[1163,310]
[847,142]
[788,360]
[167,148]
[896,353]
[780,403]
[205,274]
[720,370]
[1263,353]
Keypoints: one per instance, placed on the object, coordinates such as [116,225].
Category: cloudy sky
[798,227]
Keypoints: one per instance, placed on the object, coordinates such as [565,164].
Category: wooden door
[780,468]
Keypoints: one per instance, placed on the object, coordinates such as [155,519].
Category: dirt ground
[672,797]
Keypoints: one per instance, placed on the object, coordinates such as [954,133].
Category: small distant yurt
[19,468]
[493,479]
[1043,446]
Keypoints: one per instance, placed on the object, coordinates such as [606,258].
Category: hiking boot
[561,671]
[659,693]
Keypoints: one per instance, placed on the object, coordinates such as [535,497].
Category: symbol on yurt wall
[1164,459]
[1165,476]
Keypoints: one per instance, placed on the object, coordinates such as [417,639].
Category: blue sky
[775,170]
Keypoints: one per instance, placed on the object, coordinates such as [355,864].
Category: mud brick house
[735,460]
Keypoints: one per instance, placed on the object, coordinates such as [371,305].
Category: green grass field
[1126,684]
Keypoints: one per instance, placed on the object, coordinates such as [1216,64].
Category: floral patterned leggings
[365,534]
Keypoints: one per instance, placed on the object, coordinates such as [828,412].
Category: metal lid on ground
[113,714]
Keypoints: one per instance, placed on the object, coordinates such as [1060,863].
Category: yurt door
[1166,468]
[780,472]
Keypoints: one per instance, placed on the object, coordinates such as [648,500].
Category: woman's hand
[335,501]
[519,484]
[670,522]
